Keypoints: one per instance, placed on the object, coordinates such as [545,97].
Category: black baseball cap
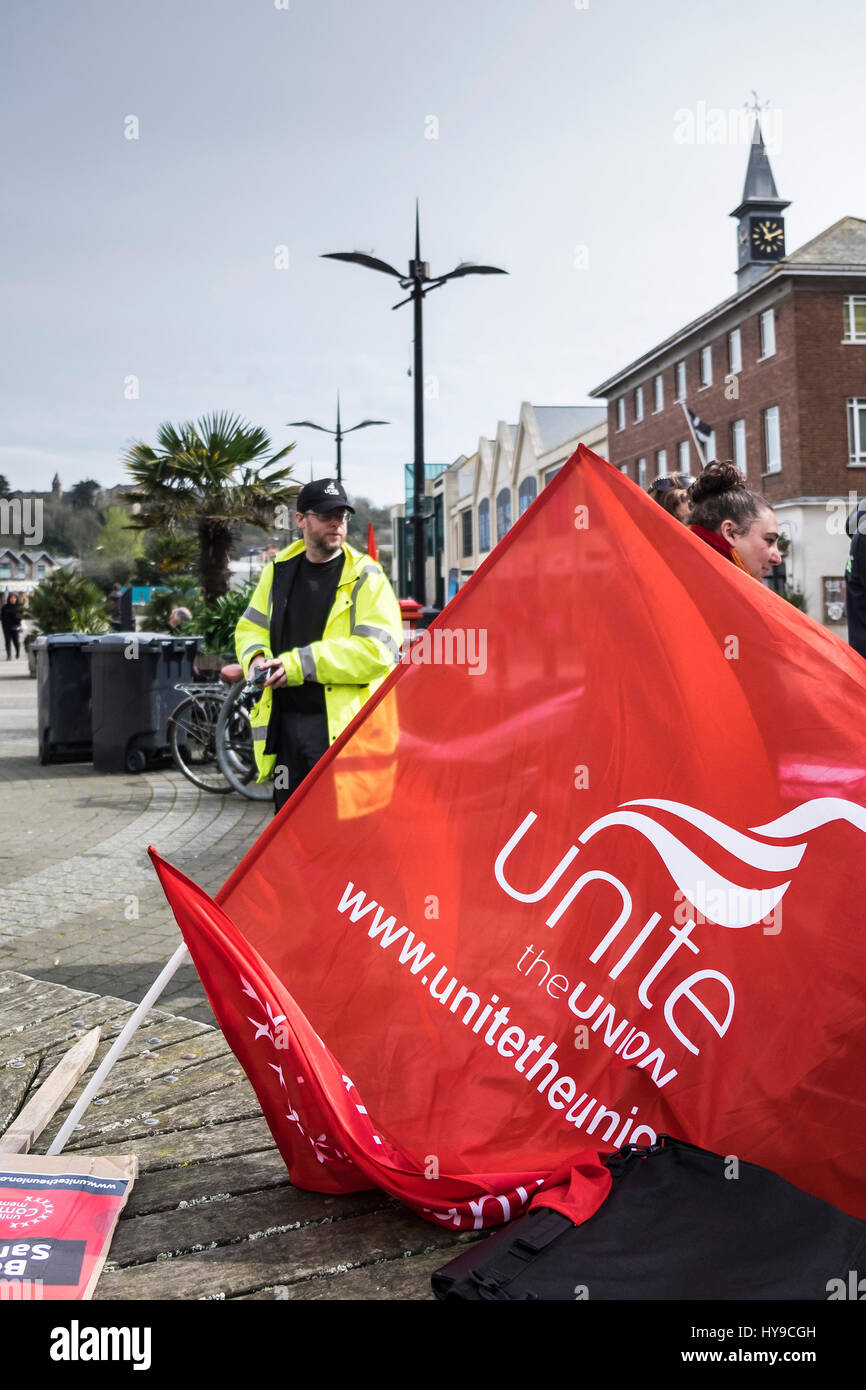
[324,495]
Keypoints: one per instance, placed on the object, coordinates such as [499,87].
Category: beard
[323,547]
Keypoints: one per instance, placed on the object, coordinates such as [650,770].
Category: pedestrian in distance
[11,617]
[325,623]
[112,604]
[178,616]
[670,490]
[855,578]
[737,523]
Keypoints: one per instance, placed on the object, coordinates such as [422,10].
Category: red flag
[586,869]
[372,550]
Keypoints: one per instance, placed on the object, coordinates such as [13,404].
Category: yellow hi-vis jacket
[359,646]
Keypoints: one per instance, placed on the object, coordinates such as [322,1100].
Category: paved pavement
[80,904]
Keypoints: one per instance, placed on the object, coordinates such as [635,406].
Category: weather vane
[756,105]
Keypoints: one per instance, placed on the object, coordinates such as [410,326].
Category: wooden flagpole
[27,1126]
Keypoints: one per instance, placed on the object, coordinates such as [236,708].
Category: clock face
[767,238]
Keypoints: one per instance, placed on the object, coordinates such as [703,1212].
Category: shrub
[64,602]
[216,623]
[794,596]
[181,593]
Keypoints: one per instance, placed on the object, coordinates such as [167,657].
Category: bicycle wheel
[234,747]
[192,739]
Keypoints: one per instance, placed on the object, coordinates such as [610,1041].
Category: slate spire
[759,189]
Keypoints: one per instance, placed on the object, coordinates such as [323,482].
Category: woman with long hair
[736,522]
[670,490]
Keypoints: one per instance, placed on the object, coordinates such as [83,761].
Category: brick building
[778,372]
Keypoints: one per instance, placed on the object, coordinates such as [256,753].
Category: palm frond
[209,474]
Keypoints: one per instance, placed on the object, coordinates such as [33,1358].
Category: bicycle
[234,738]
[192,736]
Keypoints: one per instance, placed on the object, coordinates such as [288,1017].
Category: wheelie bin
[134,675]
[63,696]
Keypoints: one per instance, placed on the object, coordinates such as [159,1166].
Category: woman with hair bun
[737,523]
[670,490]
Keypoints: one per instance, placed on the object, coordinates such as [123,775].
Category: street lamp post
[338,433]
[419,282]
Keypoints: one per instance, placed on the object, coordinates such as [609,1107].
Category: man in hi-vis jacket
[325,621]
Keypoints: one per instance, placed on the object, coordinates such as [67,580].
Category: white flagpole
[701,460]
[111,1056]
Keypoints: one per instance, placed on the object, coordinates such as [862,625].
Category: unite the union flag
[589,871]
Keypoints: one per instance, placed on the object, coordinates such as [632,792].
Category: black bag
[679,1223]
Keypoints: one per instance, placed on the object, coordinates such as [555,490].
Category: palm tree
[208,476]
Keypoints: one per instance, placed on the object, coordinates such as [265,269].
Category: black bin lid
[62,639]
[154,642]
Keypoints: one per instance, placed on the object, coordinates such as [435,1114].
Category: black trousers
[11,638]
[300,740]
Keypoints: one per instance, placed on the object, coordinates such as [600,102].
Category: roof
[557,423]
[841,247]
[839,250]
[26,554]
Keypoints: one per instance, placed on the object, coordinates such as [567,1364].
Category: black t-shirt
[309,603]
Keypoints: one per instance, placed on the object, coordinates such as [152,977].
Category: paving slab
[80,904]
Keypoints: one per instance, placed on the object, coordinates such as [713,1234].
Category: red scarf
[719,543]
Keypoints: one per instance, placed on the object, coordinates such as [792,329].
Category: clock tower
[760,225]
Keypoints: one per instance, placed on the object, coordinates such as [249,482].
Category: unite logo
[20,1212]
[767,868]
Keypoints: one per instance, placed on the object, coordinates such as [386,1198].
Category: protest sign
[57,1217]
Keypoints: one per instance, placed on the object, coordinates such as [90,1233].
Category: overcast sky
[576,147]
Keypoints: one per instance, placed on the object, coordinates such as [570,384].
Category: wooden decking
[212,1214]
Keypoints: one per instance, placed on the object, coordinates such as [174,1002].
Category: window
[857,430]
[706,367]
[484,525]
[855,319]
[772,443]
[623,468]
[738,444]
[551,473]
[5,571]
[22,570]
[503,512]
[638,405]
[681,381]
[735,351]
[466,523]
[641,473]
[768,333]
[526,495]
[620,413]
[40,571]
[658,393]
[661,463]
[684,463]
